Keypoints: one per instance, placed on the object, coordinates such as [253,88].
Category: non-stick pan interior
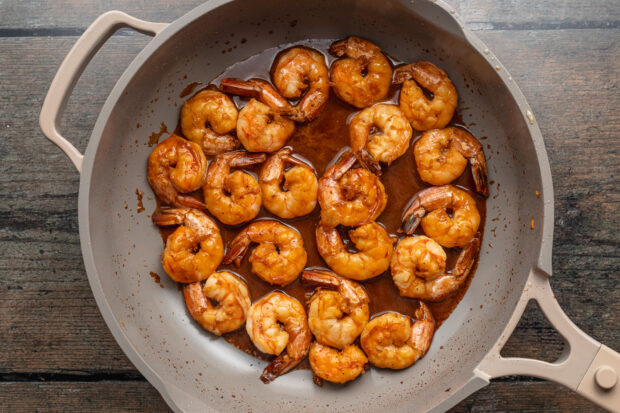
[126,246]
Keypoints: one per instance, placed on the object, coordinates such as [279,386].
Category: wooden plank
[139,396]
[47,311]
[569,81]
[39,16]
[525,397]
[107,396]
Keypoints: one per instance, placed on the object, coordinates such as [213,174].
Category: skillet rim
[169,391]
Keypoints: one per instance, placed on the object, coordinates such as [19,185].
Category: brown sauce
[188,89]
[319,142]
[154,138]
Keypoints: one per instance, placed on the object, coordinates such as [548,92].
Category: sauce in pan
[319,142]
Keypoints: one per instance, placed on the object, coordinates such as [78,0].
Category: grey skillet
[195,372]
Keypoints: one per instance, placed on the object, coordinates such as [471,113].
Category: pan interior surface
[125,245]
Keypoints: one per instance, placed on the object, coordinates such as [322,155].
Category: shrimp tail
[243,159]
[195,299]
[294,161]
[294,114]
[218,144]
[169,216]
[368,162]
[346,161]
[238,87]
[338,48]
[189,202]
[422,330]
[309,108]
[323,278]
[465,259]
[279,366]
[479,172]
[402,73]
[258,89]
[317,380]
[237,249]
[412,218]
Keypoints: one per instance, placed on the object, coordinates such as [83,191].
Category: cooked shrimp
[336,317]
[337,366]
[419,268]
[422,112]
[392,341]
[363,74]
[374,250]
[232,302]
[302,71]
[280,255]
[233,197]
[350,197]
[261,127]
[277,322]
[288,193]
[177,166]
[441,156]
[393,139]
[195,249]
[207,119]
[431,205]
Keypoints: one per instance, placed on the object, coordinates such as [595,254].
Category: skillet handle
[72,67]
[586,366]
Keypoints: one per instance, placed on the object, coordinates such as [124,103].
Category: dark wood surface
[56,353]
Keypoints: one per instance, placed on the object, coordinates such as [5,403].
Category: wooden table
[56,352]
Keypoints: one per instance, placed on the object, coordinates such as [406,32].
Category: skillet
[196,372]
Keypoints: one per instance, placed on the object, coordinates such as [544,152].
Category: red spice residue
[157,279]
[188,89]
[154,138]
[139,195]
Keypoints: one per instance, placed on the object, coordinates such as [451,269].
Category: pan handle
[72,67]
[586,366]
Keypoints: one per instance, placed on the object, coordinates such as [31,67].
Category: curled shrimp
[336,317]
[374,250]
[337,366]
[277,322]
[195,249]
[363,74]
[302,71]
[288,193]
[430,206]
[419,268]
[232,302]
[441,156]
[350,197]
[280,255]
[207,119]
[422,112]
[177,166]
[392,341]
[393,139]
[260,127]
[233,197]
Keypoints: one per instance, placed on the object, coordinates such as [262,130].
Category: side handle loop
[72,67]
[585,366]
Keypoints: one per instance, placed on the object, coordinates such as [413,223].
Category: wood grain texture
[50,325]
[137,396]
[41,17]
